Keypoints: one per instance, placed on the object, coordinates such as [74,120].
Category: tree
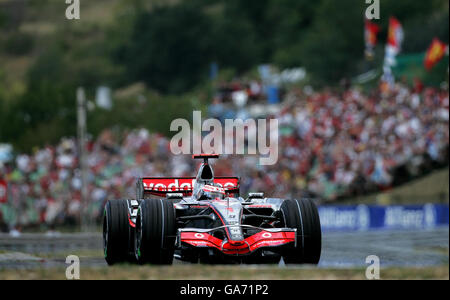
[170,48]
[43,114]
[334,44]
[234,44]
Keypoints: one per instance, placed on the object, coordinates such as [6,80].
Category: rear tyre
[155,232]
[303,215]
[116,231]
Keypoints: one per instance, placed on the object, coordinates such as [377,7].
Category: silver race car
[203,219]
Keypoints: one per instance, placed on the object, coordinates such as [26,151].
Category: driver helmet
[213,192]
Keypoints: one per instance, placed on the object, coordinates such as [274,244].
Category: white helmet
[212,192]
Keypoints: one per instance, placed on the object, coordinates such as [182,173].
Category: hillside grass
[432,188]
[42,20]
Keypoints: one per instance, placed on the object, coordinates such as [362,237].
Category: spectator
[331,145]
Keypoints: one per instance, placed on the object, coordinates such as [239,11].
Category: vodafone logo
[167,184]
[183,184]
[266,235]
[199,235]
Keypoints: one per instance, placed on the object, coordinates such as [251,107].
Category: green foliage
[277,26]
[326,54]
[49,66]
[150,111]
[228,51]
[18,44]
[42,115]
[170,49]
[3,19]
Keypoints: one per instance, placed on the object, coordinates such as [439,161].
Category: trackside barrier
[374,217]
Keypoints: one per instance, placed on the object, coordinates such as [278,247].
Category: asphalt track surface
[340,249]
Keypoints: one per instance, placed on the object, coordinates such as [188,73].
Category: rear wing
[205,156]
[161,186]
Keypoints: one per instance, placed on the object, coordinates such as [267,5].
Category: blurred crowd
[349,143]
[332,145]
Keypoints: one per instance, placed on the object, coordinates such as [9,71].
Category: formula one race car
[204,219]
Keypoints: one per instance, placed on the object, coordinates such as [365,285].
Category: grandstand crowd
[332,145]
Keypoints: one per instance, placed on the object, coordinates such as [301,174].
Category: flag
[370,36]
[393,47]
[435,53]
[395,35]
[3,191]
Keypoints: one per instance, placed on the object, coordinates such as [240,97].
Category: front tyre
[303,215]
[116,231]
[155,232]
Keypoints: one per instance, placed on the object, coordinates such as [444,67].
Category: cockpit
[212,192]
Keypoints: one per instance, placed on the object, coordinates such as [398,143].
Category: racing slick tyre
[303,215]
[155,232]
[116,231]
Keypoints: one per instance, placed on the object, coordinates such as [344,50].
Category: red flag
[371,31]
[434,54]
[395,34]
[3,191]
[370,36]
